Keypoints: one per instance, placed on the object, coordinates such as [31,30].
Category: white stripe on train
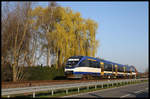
[94,70]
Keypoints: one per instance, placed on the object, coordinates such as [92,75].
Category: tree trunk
[59,58]
[48,57]
[14,73]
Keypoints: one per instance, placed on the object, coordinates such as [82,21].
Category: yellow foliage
[68,33]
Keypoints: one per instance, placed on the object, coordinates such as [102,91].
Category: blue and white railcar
[79,66]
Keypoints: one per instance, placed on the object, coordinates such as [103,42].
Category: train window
[107,67]
[110,67]
[84,63]
[72,62]
[94,64]
[91,63]
[97,64]
[120,69]
[127,69]
[133,70]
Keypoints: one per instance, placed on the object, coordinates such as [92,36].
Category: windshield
[72,62]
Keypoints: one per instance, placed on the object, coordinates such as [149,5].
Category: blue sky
[122,30]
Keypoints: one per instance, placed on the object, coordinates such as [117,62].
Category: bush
[34,73]
[6,72]
[43,73]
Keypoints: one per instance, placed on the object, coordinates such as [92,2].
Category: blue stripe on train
[111,74]
[96,74]
[69,67]
[120,74]
[92,73]
[108,74]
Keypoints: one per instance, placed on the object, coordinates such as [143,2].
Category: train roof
[98,59]
[76,57]
[105,61]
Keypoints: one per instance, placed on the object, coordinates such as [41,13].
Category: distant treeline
[50,34]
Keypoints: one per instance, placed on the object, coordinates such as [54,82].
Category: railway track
[45,82]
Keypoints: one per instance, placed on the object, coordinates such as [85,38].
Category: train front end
[71,64]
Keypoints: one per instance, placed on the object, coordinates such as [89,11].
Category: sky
[122,29]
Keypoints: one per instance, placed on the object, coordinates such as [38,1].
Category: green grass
[72,91]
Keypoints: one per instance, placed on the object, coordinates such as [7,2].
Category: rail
[14,91]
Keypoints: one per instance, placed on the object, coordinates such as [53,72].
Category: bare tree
[16,37]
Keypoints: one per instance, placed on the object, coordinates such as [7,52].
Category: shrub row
[34,73]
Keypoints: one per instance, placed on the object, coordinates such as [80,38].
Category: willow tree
[91,28]
[44,23]
[65,33]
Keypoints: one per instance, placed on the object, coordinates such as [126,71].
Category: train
[85,67]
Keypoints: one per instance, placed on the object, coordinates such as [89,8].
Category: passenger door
[116,70]
[102,68]
[124,68]
[112,68]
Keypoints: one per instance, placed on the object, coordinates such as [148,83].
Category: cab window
[84,63]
